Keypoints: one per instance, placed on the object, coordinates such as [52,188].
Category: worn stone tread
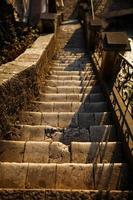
[93,97]
[70,89]
[57,152]
[57,176]
[105,152]
[68,107]
[65,119]
[102,133]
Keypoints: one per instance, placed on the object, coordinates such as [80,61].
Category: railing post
[93,28]
[113,43]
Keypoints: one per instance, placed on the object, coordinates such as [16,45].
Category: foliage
[15,37]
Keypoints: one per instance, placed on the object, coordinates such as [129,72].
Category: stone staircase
[68,146]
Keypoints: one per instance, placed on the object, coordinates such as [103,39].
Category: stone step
[54,194]
[56,152]
[65,119]
[67,107]
[72,73]
[71,61]
[93,97]
[71,67]
[73,77]
[54,83]
[67,58]
[50,134]
[57,176]
[71,89]
[34,152]
[105,152]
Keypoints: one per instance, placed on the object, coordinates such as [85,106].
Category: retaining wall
[19,79]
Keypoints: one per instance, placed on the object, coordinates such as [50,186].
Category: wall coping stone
[10,69]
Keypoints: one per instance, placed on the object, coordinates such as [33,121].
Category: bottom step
[65,195]
[65,176]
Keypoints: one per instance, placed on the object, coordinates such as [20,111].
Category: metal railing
[121,92]
[123,81]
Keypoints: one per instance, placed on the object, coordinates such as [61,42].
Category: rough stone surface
[19,92]
[84,152]
[36,152]
[41,176]
[102,133]
[11,151]
[33,133]
[81,176]
[13,175]
[59,153]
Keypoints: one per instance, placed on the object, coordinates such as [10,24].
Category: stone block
[50,119]
[111,176]
[77,107]
[41,176]
[81,195]
[83,152]
[13,175]
[74,176]
[33,133]
[62,107]
[78,89]
[30,118]
[58,194]
[72,97]
[97,97]
[44,107]
[68,119]
[11,151]
[59,153]
[64,89]
[96,107]
[85,120]
[102,133]
[102,118]
[36,152]
[74,77]
[53,97]
[111,152]
[74,134]
[72,83]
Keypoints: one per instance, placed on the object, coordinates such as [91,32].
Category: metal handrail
[123,79]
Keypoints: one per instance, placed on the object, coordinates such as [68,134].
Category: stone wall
[19,79]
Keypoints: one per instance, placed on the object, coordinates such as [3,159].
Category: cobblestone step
[56,152]
[65,119]
[57,176]
[54,194]
[68,107]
